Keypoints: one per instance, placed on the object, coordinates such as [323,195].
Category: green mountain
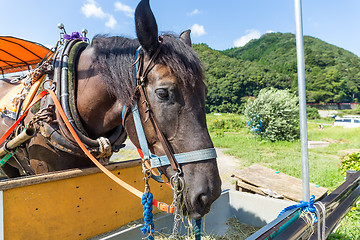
[233,75]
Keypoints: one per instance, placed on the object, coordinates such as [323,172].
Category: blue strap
[194,156]
[304,206]
[136,115]
[123,112]
[136,66]
[140,132]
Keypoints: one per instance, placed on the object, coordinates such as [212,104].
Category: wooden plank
[248,187]
[75,204]
[61,175]
[285,185]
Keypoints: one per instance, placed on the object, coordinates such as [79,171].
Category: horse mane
[115,58]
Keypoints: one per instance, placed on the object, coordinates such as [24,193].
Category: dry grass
[236,230]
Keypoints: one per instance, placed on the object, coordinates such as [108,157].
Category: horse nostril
[202,202]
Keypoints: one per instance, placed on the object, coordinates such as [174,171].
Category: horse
[174,93]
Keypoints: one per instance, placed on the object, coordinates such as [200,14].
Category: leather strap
[141,75]
[160,205]
[164,142]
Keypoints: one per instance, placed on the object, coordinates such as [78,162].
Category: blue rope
[304,206]
[147,200]
[197,229]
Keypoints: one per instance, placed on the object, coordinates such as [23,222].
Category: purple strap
[74,35]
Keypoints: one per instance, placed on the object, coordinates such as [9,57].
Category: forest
[236,74]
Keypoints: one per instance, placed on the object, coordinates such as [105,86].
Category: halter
[140,76]
[176,181]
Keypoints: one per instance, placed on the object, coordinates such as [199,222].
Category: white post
[302,101]
[2,234]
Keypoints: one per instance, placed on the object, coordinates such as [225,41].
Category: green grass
[286,156]
[349,227]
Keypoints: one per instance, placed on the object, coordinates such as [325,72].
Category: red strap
[12,128]
[141,154]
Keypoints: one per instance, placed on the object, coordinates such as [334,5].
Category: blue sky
[220,24]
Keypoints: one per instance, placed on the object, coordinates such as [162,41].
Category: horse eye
[162,93]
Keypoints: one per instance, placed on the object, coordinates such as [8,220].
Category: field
[229,131]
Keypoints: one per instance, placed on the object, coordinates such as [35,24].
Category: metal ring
[177,217]
[147,173]
[179,181]
[6,149]
[172,181]
[182,185]
[52,84]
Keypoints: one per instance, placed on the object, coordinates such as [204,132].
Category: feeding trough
[250,209]
[261,212]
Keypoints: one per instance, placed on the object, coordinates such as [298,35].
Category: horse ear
[146,27]
[185,37]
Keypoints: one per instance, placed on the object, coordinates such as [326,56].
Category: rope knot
[104,147]
[304,206]
[146,200]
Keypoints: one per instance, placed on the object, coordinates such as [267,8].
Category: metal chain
[147,176]
[177,184]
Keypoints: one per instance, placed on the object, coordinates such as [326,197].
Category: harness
[64,78]
[76,135]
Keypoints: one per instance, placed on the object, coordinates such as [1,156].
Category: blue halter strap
[156,161]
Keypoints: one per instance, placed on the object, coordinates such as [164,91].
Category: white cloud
[251,34]
[92,9]
[127,10]
[270,31]
[111,23]
[198,30]
[196,11]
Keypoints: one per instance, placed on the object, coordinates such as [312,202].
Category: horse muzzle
[203,187]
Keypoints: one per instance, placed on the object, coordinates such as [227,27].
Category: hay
[236,230]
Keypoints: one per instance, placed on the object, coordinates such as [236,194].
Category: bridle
[140,74]
[176,181]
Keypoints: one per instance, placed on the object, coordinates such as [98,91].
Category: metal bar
[302,101]
[337,204]
[18,140]
[274,228]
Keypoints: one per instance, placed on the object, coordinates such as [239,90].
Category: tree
[332,74]
[274,115]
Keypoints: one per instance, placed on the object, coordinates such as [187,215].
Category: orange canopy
[18,54]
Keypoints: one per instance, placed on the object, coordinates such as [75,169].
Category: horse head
[176,94]
[173,92]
